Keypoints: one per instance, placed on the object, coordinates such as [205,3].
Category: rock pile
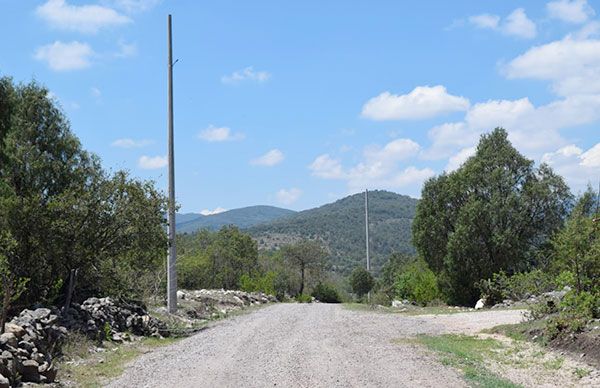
[207,304]
[27,346]
[106,318]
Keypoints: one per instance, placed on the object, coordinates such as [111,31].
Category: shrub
[258,283]
[326,293]
[303,298]
[517,287]
[361,281]
[418,283]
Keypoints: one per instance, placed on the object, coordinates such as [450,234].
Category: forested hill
[341,225]
[242,218]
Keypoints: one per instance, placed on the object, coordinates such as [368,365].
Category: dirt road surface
[309,345]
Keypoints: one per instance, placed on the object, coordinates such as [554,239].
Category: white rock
[396,303]
[480,304]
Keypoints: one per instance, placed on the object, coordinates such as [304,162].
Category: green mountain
[341,226]
[242,218]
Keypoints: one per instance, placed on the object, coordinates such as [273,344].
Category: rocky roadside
[33,340]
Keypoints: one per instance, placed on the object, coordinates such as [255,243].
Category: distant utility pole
[171,272]
[367,228]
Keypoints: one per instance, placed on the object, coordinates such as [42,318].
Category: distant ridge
[242,218]
[341,226]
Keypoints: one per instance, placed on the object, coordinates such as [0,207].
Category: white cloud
[81,18]
[288,196]
[247,74]
[65,56]
[485,21]
[219,134]
[519,25]
[132,6]
[207,212]
[579,168]
[324,166]
[126,50]
[380,168]
[422,102]
[152,162]
[570,11]
[131,143]
[457,160]
[269,159]
[591,158]
[573,66]
[515,24]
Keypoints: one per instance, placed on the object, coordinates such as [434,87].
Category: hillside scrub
[497,212]
[62,217]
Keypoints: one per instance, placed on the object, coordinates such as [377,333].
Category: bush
[361,281]
[326,293]
[257,283]
[418,283]
[574,312]
[303,298]
[517,287]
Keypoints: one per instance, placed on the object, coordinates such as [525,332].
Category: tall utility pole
[367,228]
[171,272]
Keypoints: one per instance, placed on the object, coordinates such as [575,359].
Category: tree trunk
[301,279]
[70,289]
[7,284]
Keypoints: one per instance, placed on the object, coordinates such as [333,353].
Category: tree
[361,281]
[64,212]
[577,246]
[306,255]
[417,283]
[496,212]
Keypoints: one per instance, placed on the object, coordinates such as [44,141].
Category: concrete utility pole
[367,228]
[171,272]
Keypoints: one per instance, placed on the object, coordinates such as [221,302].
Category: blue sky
[296,104]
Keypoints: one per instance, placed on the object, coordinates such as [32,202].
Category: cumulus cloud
[380,168]
[515,24]
[457,160]
[288,196]
[133,6]
[271,158]
[570,11]
[246,74]
[577,166]
[485,20]
[219,134]
[571,65]
[65,56]
[217,210]
[126,50]
[422,102]
[131,143]
[82,18]
[152,162]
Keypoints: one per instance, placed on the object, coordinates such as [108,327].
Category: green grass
[554,364]
[520,331]
[91,370]
[468,354]
[581,372]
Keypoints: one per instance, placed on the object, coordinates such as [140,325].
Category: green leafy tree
[577,246]
[417,283]
[306,256]
[496,212]
[361,281]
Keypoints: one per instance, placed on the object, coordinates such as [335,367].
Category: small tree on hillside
[361,281]
[305,255]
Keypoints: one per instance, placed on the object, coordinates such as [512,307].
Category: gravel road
[309,345]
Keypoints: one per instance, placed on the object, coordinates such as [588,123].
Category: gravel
[309,345]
